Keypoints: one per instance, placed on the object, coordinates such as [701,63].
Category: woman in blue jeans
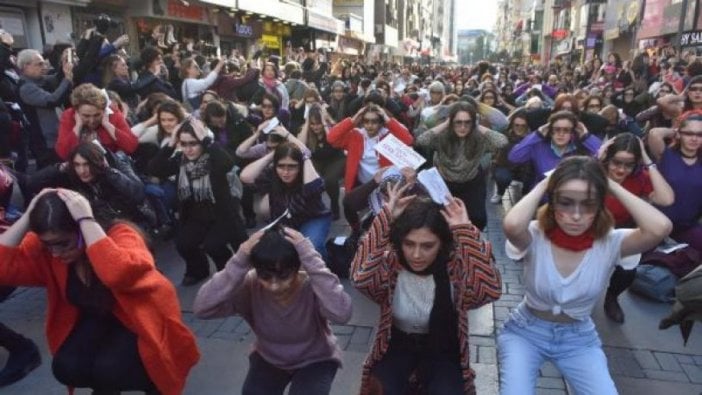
[568,255]
[291,182]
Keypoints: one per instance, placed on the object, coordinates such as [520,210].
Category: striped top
[474,279]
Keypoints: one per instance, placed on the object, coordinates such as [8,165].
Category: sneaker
[20,362]
[495,199]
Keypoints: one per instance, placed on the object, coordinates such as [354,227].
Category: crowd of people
[113,150]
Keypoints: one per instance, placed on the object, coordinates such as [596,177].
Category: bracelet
[651,166]
[81,219]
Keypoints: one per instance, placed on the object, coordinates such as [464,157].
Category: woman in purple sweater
[562,136]
[288,309]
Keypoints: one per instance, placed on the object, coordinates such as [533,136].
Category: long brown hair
[589,170]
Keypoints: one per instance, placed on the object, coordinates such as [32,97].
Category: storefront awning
[325,23]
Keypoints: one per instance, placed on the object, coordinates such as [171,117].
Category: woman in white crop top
[568,255]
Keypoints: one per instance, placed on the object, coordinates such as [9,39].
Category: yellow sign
[270,41]
[632,12]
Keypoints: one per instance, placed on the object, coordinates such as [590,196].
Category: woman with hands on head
[291,182]
[359,135]
[681,166]
[330,161]
[568,255]
[426,266]
[626,162]
[113,321]
[288,309]
[209,215]
[91,120]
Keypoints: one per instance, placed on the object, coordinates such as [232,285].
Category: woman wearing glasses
[209,215]
[682,168]
[563,136]
[627,163]
[459,144]
[568,254]
[289,310]
[503,170]
[359,135]
[113,321]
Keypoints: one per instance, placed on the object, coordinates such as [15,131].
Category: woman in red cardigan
[359,136]
[113,321]
[90,120]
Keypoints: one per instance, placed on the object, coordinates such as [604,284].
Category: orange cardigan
[147,303]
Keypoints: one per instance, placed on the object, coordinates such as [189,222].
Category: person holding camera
[40,95]
[263,282]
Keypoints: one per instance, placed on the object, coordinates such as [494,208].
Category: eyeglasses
[562,130]
[687,133]
[187,144]
[622,165]
[287,167]
[269,106]
[695,89]
[461,122]
[572,206]
[65,245]
[268,275]
[664,91]
[374,121]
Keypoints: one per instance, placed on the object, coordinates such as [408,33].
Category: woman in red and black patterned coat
[426,266]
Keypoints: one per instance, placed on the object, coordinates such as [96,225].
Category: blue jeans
[317,230]
[526,341]
[266,379]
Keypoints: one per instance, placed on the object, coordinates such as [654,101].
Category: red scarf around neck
[568,242]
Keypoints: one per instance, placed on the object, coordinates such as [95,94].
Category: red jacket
[147,303]
[67,139]
[345,136]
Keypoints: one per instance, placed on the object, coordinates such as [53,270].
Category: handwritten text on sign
[400,154]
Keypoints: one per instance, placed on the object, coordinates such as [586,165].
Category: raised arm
[662,194]
[334,302]
[653,225]
[516,222]
[656,140]
[254,169]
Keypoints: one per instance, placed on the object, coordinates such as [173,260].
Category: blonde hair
[185,66]
[88,94]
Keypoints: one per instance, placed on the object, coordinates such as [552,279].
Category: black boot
[24,356]
[612,308]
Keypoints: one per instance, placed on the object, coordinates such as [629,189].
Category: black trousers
[198,238]
[100,353]
[472,193]
[621,280]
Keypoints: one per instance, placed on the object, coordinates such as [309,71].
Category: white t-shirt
[412,302]
[547,290]
[370,159]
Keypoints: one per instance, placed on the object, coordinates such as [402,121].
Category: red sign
[652,20]
[177,9]
[559,34]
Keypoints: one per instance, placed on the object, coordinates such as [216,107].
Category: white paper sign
[435,185]
[271,125]
[399,153]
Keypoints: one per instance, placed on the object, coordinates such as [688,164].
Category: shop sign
[270,41]
[611,34]
[322,22]
[177,9]
[563,46]
[691,38]
[652,20]
[671,17]
[559,34]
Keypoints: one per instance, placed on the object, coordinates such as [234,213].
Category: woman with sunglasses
[330,161]
[504,171]
[358,136]
[426,266]
[459,145]
[627,163]
[568,254]
[208,214]
[113,320]
[681,165]
[291,182]
[563,136]
[289,310]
